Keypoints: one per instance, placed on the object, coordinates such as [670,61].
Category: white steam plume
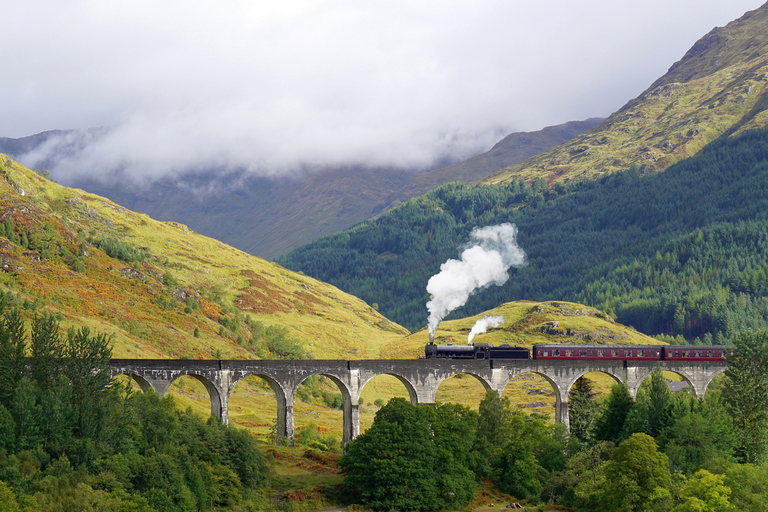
[483,324]
[486,260]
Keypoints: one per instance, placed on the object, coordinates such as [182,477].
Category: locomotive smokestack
[484,261]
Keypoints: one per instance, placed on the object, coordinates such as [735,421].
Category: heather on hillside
[681,252]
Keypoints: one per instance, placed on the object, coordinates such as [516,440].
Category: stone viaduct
[421,377]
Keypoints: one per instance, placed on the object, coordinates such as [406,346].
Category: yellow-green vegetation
[526,323]
[167,291]
[718,88]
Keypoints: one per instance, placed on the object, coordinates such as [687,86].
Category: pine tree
[582,409]
[746,395]
[609,425]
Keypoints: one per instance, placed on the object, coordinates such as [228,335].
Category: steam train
[579,352]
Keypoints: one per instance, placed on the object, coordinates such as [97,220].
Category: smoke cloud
[483,324]
[486,261]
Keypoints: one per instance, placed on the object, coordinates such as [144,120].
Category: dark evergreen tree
[13,351]
[609,424]
[46,350]
[582,409]
[87,368]
[494,417]
[746,394]
[653,406]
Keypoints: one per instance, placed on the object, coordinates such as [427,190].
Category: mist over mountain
[269,215]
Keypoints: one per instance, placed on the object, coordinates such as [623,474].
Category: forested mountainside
[162,290]
[679,252]
[718,87]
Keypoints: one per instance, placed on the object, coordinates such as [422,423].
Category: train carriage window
[614,353]
[710,353]
[686,353]
[601,352]
[698,353]
[556,352]
[582,353]
[544,353]
[641,353]
[568,352]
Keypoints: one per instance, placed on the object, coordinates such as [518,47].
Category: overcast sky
[274,84]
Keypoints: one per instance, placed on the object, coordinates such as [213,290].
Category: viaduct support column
[225,385]
[288,421]
[224,414]
[561,410]
[351,423]
[284,425]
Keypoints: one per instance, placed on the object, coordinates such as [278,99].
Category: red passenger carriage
[575,351]
[695,352]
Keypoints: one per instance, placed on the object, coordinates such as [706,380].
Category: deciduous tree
[704,492]
[412,458]
[637,477]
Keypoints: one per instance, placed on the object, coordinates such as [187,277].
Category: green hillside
[526,323]
[680,253]
[163,290]
[718,87]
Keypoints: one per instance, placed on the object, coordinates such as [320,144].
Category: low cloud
[272,87]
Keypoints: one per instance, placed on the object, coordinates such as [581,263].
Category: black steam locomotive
[475,351]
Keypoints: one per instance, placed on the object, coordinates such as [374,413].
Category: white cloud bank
[273,85]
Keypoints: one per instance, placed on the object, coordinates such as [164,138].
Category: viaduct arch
[421,377]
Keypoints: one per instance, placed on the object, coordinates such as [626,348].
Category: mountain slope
[163,290]
[269,216]
[718,87]
[680,252]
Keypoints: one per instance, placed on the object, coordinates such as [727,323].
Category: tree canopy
[413,458]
